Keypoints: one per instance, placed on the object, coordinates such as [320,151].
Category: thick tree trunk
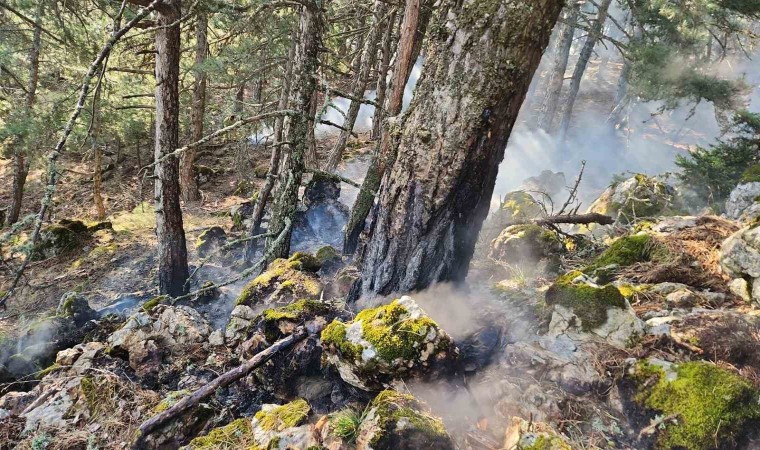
[172,250]
[580,67]
[382,75]
[188,182]
[368,60]
[304,71]
[413,27]
[434,197]
[274,160]
[557,73]
[20,158]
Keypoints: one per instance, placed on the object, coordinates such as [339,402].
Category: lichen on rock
[399,421]
[707,403]
[284,281]
[283,426]
[387,342]
[637,197]
[528,247]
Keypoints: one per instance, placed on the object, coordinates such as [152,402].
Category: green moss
[546,442]
[288,415]
[392,406]
[390,330]
[170,400]
[307,261]
[710,404]
[236,435]
[752,174]
[295,311]
[624,252]
[588,302]
[149,305]
[327,253]
[519,205]
[48,370]
[281,271]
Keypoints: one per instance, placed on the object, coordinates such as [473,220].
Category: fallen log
[574,219]
[227,378]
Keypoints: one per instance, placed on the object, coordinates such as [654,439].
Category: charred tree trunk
[557,74]
[434,197]
[274,160]
[368,60]
[382,74]
[409,47]
[20,158]
[593,37]
[304,83]
[172,250]
[188,182]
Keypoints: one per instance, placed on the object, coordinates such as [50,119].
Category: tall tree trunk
[172,250]
[274,160]
[304,71]
[187,179]
[434,197]
[368,60]
[311,152]
[409,46]
[557,72]
[580,67]
[20,158]
[382,75]
[97,184]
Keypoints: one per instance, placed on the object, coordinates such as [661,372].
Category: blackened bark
[297,130]
[172,250]
[557,74]
[188,182]
[580,67]
[20,158]
[434,197]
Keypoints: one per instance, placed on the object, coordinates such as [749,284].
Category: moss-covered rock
[386,343]
[530,435]
[283,282]
[528,247]
[308,262]
[60,238]
[588,302]
[210,240]
[75,306]
[399,421]
[706,404]
[238,434]
[283,426]
[637,197]
[624,252]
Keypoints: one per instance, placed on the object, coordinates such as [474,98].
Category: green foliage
[345,424]
[237,434]
[711,173]
[281,417]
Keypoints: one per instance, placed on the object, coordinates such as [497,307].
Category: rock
[581,306]
[279,426]
[343,283]
[740,258]
[530,248]
[241,322]
[145,336]
[527,435]
[389,342]
[548,182]
[708,404]
[324,218]
[740,288]
[76,307]
[515,206]
[67,357]
[637,197]
[330,259]
[241,215]
[210,240]
[396,421]
[204,174]
[261,171]
[683,298]
[62,237]
[284,281]
[216,338]
[180,429]
[743,202]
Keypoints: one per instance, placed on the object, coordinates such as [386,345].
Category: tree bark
[97,195]
[368,60]
[20,158]
[188,181]
[413,28]
[304,83]
[557,75]
[274,160]
[434,197]
[172,250]
[580,67]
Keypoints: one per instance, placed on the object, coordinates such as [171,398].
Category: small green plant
[41,441]
[346,423]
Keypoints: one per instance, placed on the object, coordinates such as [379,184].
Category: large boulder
[698,404]
[284,281]
[146,336]
[210,240]
[515,207]
[744,202]
[637,197]
[740,259]
[396,421]
[65,236]
[386,343]
[528,248]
